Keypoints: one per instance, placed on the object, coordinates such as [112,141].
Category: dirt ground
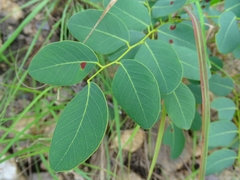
[139,162]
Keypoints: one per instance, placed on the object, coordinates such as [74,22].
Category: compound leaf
[60,63]
[109,35]
[180,106]
[163,62]
[221,133]
[132,13]
[136,90]
[228,36]
[166,7]
[79,130]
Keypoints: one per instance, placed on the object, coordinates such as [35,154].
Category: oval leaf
[79,130]
[136,90]
[109,35]
[60,63]
[180,106]
[166,7]
[180,34]
[220,86]
[163,62]
[132,13]
[228,36]
[221,133]
[174,137]
[219,160]
[225,108]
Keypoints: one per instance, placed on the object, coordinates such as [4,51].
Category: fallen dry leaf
[134,145]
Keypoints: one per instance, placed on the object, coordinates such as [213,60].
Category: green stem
[158,143]
[201,49]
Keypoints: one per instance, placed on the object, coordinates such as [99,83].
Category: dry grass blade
[109,6]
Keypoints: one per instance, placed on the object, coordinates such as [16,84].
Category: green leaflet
[166,7]
[59,63]
[225,107]
[220,86]
[110,34]
[228,36]
[132,13]
[174,137]
[221,133]
[236,52]
[180,34]
[163,62]
[216,63]
[189,61]
[232,5]
[136,90]
[79,130]
[180,106]
[196,90]
[219,160]
[197,122]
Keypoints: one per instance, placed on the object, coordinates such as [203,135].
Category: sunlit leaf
[219,160]
[225,108]
[137,92]
[59,63]
[132,13]
[163,62]
[228,36]
[220,86]
[166,7]
[221,133]
[79,130]
[110,34]
[174,137]
[180,106]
